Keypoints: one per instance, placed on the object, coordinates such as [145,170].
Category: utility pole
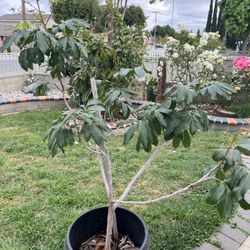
[172,18]
[23,11]
[156,12]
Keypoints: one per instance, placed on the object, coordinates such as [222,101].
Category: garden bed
[39,197]
[17,102]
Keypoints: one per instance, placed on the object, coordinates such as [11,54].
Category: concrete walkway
[234,235]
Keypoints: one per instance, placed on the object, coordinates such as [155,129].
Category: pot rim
[100,207]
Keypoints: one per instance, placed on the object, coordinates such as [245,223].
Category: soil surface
[97,242]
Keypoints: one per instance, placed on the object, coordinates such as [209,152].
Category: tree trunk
[125,8]
[103,153]
[225,39]
[162,75]
[245,42]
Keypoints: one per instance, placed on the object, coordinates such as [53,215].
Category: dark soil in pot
[93,223]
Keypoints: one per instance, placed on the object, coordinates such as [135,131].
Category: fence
[9,64]
[152,56]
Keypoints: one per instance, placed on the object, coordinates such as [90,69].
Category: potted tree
[101,75]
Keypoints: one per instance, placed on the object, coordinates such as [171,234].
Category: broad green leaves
[183,94]
[42,42]
[215,88]
[244,146]
[129,134]
[30,56]
[233,179]
[215,194]
[59,136]
[225,205]
[83,122]
[59,44]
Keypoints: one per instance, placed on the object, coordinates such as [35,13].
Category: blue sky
[191,12]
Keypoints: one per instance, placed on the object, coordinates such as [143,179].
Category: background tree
[198,33]
[220,23]
[209,17]
[134,15]
[88,10]
[214,21]
[236,15]
[163,31]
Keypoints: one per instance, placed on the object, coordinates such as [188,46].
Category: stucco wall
[12,82]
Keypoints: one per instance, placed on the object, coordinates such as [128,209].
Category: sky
[193,13]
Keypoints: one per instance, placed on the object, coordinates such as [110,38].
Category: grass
[40,195]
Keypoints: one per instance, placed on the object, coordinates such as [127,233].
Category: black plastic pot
[94,222]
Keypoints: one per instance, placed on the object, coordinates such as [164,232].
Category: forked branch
[143,167]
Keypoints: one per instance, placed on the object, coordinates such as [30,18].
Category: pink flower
[241,62]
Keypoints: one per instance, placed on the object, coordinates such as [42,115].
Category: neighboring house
[8,23]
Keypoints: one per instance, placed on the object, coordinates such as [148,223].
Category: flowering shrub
[242,72]
[241,62]
[189,62]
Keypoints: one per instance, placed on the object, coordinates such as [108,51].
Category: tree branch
[63,93]
[183,190]
[143,167]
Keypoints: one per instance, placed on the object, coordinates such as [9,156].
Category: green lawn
[40,196]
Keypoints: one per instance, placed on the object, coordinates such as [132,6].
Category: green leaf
[219,154]
[215,194]
[244,204]
[87,133]
[23,59]
[74,47]
[42,42]
[155,139]
[186,140]
[97,108]
[122,73]
[70,137]
[214,88]
[244,146]
[60,138]
[140,72]
[176,141]
[220,175]
[225,205]
[184,94]
[243,186]
[129,134]
[156,126]
[8,41]
[235,177]
[143,135]
[96,134]
[160,118]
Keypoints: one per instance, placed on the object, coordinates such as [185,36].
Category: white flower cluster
[207,36]
[182,27]
[188,48]
[192,35]
[194,61]
[172,41]
[175,55]
[209,59]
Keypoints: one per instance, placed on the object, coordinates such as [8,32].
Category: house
[8,23]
